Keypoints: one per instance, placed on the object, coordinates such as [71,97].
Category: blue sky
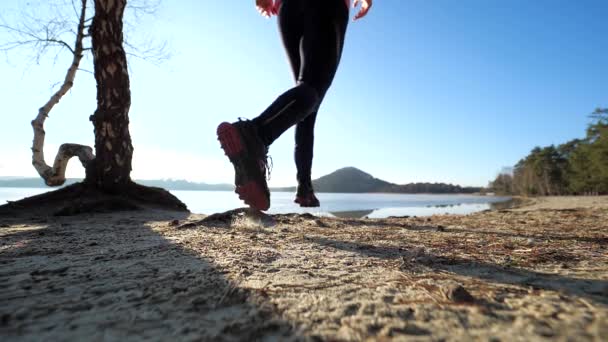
[440,91]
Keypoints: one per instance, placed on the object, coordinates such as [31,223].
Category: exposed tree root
[82,198]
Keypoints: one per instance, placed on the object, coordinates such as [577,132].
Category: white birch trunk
[55,175]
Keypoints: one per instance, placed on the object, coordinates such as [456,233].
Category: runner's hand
[365,6]
[266,7]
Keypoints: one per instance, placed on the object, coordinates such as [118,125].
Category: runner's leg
[312,30]
[322,46]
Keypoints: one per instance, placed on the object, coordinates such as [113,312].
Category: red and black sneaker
[305,197]
[248,155]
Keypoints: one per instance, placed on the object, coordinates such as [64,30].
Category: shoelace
[268,166]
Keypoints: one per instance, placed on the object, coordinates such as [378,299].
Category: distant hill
[350,179]
[353,180]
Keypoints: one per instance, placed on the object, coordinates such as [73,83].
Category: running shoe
[248,155]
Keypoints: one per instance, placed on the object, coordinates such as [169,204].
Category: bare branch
[143,7]
[61,43]
[155,54]
[87,71]
[34,38]
[16,44]
[146,48]
[75,9]
[19,31]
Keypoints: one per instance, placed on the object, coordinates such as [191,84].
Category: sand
[539,272]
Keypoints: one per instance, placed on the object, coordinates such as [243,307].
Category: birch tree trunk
[111,169]
[55,175]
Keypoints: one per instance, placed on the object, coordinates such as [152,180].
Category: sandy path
[565,202]
[524,276]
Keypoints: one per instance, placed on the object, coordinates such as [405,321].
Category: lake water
[343,205]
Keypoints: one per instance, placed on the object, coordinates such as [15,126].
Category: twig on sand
[587,304]
[424,289]
[229,289]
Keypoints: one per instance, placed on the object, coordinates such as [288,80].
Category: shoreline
[535,272]
[354,205]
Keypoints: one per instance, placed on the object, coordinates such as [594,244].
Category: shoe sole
[251,192]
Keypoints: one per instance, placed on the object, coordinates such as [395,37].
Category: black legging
[313,35]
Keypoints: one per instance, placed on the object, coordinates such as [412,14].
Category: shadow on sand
[100,277]
[589,288]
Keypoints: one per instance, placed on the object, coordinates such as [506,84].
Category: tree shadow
[111,276]
[541,236]
[433,227]
[593,289]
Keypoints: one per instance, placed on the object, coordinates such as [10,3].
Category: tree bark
[110,172]
[108,185]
